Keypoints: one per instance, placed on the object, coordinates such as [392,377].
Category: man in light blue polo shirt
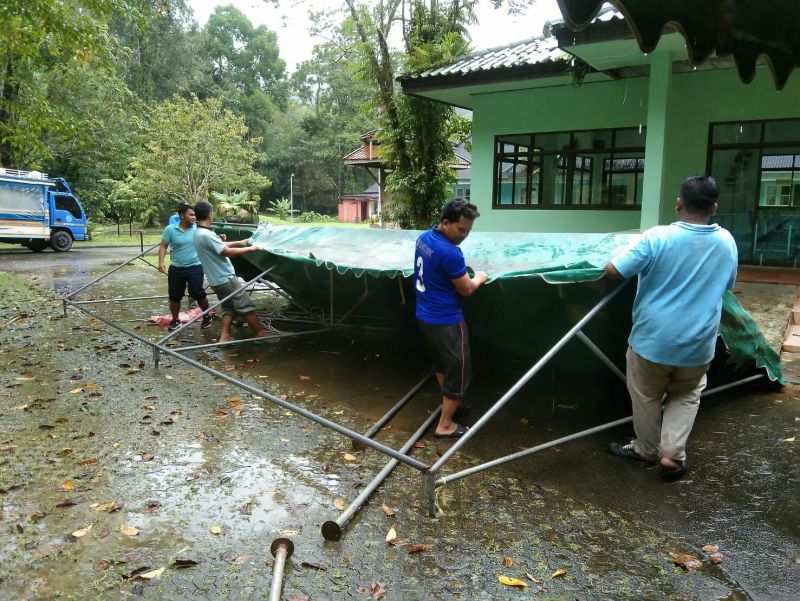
[184,265]
[684,269]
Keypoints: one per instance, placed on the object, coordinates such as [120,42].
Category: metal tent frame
[430,478]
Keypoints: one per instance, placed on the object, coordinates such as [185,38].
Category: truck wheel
[36,246]
[61,241]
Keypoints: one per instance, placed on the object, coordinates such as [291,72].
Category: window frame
[536,157]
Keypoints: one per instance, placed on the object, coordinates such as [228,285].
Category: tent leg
[429,491]
[602,356]
[526,377]
[332,529]
[391,412]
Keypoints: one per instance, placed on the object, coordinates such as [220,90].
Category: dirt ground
[120,480]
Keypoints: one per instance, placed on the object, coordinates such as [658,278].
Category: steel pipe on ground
[332,529]
[281,549]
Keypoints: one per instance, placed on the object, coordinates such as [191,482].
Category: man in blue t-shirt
[684,269]
[184,265]
[440,279]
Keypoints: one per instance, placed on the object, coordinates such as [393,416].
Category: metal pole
[108,273]
[215,305]
[195,347]
[117,300]
[601,355]
[584,433]
[141,240]
[281,549]
[299,410]
[390,414]
[331,280]
[265,395]
[332,529]
[524,379]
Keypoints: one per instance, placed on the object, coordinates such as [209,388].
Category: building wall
[696,99]
[591,106]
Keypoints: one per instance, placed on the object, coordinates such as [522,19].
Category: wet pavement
[184,454]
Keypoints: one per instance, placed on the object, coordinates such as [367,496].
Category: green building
[583,132]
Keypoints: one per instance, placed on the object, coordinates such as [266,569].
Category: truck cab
[37,211]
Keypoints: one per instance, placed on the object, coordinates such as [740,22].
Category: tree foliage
[192,147]
[37,36]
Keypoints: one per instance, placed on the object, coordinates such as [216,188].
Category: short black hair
[182,208]
[699,193]
[202,210]
[457,208]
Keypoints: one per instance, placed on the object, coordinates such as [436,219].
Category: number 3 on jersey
[420,284]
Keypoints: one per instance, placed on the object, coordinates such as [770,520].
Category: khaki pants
[663,433]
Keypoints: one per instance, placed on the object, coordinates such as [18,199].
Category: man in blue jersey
[184,268]
[684,269]
[440,279]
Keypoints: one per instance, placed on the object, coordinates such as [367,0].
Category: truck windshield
[67,203]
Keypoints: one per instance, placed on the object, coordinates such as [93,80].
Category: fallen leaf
[179,564]
[152,574]
[349,457]
[25,378]
[147,457]
[299,597]
[532,578]
[149,407]
[558,573]
[192,476]
[109,507]
[236,404]
[689,562]
[419,445]
[102,565]
[418,547]
[8,450]
[339,503]
[313,566]
[221,413]
[508,562]
[152,506]
[710,548]
[288,532]
[512,582]
[87,462]
[82,531]
[399,542]
[387,511]
[65,451]
[305,378]
[76,390]
[129,530]
[716,557]
[66,485]
[216,529]
[789,439]
[168,377]
[392,534]
[241,560]
[66,504]
[62,419]
[379,590]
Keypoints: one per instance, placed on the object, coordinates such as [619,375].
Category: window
[586,169]
[67,203]
[757,167]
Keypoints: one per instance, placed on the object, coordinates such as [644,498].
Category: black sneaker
[627,451]
[207,319]
[174,324]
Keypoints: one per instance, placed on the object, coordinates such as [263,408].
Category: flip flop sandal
[457,433]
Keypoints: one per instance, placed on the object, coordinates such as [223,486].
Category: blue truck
[37,211]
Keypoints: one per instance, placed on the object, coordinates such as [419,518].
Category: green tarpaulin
[521,310]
